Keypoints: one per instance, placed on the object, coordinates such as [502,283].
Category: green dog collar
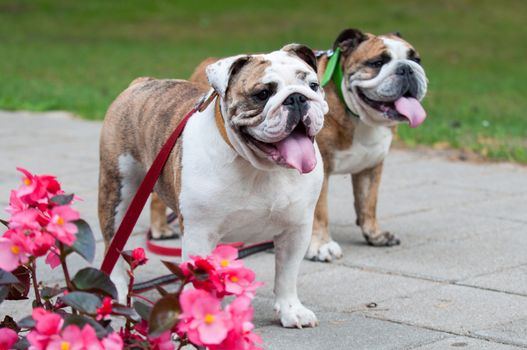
[334,71]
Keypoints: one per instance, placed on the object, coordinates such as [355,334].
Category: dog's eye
[262,95]
[314,86]
[375,64]
[416,60]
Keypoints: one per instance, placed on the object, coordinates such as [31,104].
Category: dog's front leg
[365,190]
[290,248]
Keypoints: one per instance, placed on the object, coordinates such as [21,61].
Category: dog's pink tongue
[411,109]
[298,151]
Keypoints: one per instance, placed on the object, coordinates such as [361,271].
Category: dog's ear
[220,73]
[303,52]
[348,40]
[397,34]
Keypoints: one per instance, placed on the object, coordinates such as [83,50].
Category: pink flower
[202,318]
[47,326]
[25,220]
[60,224]
[203,275]
[53,258]
[240,281]
[13,253]
[240,337]
[40,242]
[16,205]
[71,339]
[8,338]
[114,342]
[138,257]
[225,256]
[32,189]
[105,309]
[163,342]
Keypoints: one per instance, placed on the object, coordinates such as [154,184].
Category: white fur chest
[370,146]
[223,197]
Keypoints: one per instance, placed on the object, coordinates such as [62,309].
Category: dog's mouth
[296,151]
[405,108]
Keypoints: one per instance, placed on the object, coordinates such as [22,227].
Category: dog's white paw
[294,314]
[324,251]
[170,231]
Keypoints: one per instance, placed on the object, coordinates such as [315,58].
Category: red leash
[138,202]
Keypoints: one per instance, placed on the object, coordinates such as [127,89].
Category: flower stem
[33,270]
[139,296]
[67,278]
[128,326]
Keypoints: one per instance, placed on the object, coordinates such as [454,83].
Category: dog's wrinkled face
[383,79]
[273,105]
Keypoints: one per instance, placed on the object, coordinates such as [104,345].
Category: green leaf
[21,344]
[81,321]
[62,199]
[127,312]
[5,223]
[7,278]
[143,310]
[4,291]
[26,322]
[164,315]
[50,292]
[82,301]
[85,242]
[175,269]
[96,281]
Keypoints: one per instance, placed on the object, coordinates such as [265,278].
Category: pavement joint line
[503,269]
[433,341]
[458,283]
[469,334]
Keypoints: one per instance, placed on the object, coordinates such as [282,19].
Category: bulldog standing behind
[372,83]
[245,169]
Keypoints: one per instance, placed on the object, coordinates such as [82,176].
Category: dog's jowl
[245,169]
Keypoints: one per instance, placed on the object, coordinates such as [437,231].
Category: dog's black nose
[295,99]
[404,70]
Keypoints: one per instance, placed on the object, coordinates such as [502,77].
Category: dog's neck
[220,122]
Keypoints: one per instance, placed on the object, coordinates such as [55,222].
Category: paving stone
[343,289]
[465,343]
[457,309]
[415,230]
[455,260]
[341,331]
[510,208]
[513,280]
[514,332]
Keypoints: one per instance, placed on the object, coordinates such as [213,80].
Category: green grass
[78,55]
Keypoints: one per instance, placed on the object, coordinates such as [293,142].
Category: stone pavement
[459,279]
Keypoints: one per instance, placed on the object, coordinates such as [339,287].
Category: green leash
[334,71]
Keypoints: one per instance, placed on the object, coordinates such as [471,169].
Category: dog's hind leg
[322,247]
[118,183]
[365,190]
[159,226]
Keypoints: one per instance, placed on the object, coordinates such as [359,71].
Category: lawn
[78,55]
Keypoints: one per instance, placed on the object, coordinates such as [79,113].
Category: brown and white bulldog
[375,83]
[246,168]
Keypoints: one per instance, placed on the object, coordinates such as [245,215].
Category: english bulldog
[246,167]
[372,84]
